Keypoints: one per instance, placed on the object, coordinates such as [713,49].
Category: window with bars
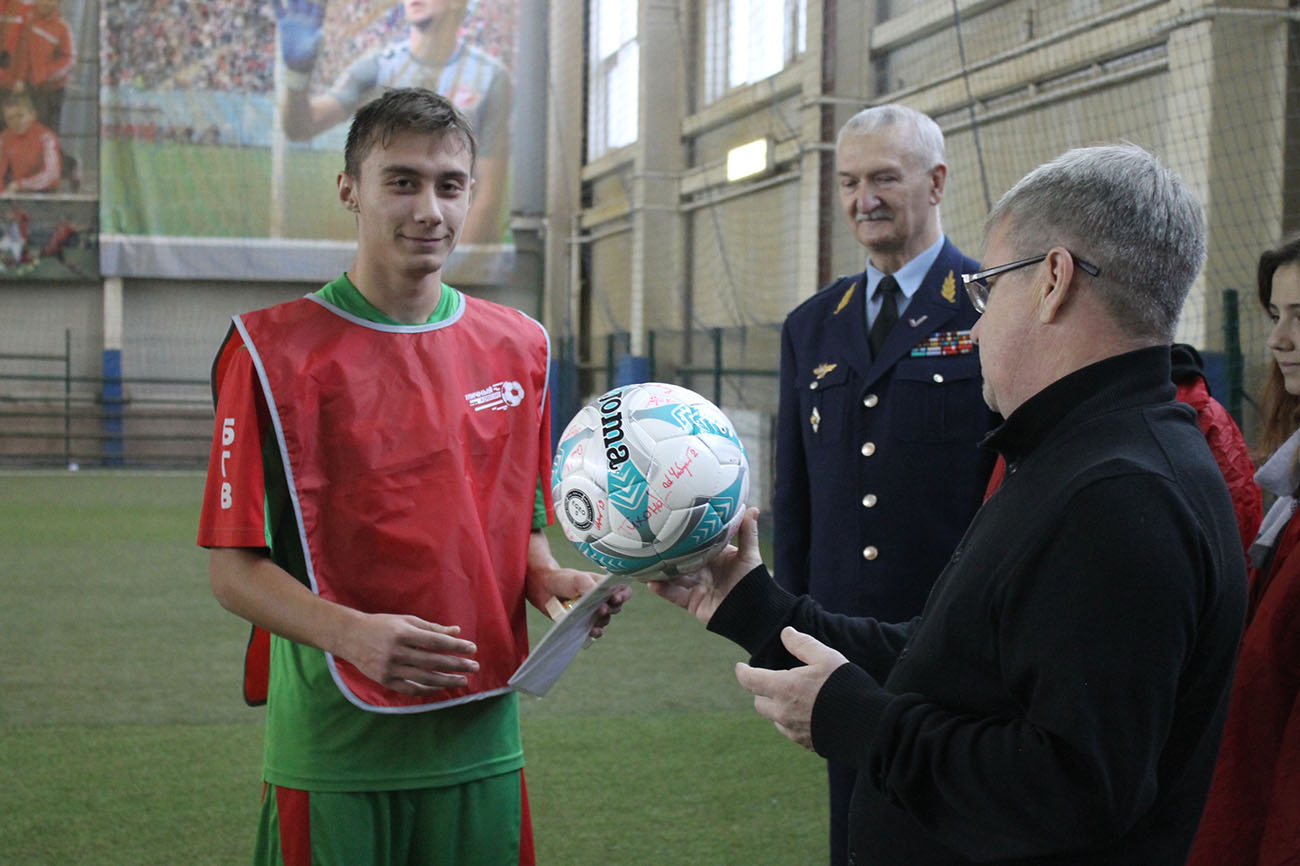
[749,40]
[614,60]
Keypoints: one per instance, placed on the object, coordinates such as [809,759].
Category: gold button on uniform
[870,401]
[869,501]
[812,386]
[869,552]
[868,448]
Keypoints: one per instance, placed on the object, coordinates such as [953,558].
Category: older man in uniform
[878,470]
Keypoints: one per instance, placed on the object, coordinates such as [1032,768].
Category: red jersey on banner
[50,55]
[13,26]
[30,160]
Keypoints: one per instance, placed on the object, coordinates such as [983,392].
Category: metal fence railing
[51,416]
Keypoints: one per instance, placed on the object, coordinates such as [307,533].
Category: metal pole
[67,397]
[717,365]
[609,362]
[1233,361]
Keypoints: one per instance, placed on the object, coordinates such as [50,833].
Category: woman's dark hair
[1280,410]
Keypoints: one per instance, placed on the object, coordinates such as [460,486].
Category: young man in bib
[378,482]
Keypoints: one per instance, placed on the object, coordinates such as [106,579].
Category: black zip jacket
[1060,699]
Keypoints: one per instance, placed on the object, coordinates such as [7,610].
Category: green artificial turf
[124,739]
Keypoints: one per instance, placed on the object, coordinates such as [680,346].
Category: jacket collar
[1136,378]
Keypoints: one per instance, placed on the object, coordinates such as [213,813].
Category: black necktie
[888,291]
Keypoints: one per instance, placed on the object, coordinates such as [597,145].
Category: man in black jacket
[1060,699]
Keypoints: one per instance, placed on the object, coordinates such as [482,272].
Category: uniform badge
[823,368]
[844,301]
[815,419]
[943,343]
[949,290]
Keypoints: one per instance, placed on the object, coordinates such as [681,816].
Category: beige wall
[1203,86]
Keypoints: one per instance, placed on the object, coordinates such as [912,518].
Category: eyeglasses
[977,284]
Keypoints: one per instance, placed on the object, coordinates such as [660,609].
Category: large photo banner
[48,118]
[223,124]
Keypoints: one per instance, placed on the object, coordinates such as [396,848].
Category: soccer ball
[650,480]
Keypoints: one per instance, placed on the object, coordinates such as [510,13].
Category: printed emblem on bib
[498,397]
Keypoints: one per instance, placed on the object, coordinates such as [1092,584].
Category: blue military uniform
[878,467]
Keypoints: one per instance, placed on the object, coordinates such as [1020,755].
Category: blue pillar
[564,396]
[111,396]
[631,369]
[111,399]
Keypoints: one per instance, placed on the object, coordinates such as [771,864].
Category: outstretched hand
[702,591]
[786,698]
[300,23]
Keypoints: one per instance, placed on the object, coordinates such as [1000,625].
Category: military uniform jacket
[878,464]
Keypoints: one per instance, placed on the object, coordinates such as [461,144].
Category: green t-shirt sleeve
[539,508]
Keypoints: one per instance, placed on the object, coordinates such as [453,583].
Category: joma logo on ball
[611,426]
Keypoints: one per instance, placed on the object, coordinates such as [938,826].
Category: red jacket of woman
[1252,817]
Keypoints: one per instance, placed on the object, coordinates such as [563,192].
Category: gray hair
[1119,208]
[927,138]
